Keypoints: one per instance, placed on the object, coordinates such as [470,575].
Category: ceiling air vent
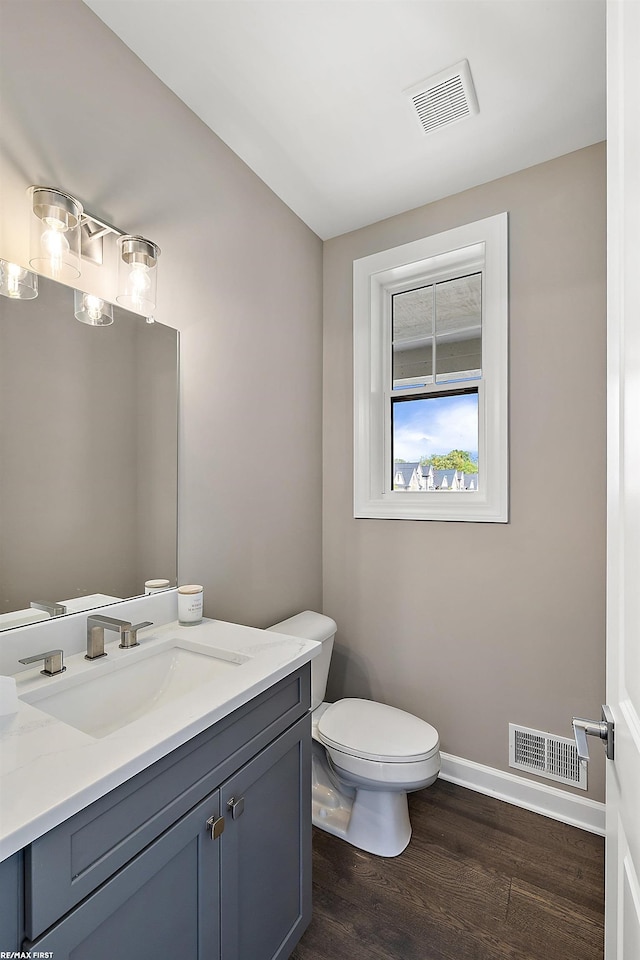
[445,98]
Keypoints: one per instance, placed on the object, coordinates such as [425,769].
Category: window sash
[433,335]
[466,390]
[438,391]
[476,247]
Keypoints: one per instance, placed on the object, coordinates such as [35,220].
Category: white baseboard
[522,792]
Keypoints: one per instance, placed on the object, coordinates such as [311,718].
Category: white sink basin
[112,694]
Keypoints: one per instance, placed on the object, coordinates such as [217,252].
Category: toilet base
[380,822]
[373,820]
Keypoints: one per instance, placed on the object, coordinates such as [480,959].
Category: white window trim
[375,278]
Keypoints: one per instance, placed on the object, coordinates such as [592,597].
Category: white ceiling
[310,93]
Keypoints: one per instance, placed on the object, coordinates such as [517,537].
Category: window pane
[435,443]
[458,328]
[412,332]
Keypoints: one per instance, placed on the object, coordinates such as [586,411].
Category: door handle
[592,728]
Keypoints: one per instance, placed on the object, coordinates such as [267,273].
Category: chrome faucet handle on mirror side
[48,606]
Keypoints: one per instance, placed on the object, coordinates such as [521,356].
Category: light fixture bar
[92,233]
[95,234]
[62,232]
[97,228]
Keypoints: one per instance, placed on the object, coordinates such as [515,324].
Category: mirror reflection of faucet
[53,609]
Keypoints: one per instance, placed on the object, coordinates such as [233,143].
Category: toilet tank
[313,626]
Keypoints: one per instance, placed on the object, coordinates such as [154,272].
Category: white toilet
[366,756]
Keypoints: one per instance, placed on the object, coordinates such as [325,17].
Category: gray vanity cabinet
[206,855]
[162,904]
[266,852]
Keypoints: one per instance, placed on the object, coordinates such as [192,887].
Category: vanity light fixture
[16,282]
[137,263]
[92,310]
[63,232]
[54,246]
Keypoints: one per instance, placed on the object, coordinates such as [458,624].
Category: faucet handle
[53,662]
[130,636]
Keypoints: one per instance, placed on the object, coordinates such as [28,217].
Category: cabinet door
[266,850]
[163,904]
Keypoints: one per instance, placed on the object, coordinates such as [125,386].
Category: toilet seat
[377,732]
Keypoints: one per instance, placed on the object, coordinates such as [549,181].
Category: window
[430,376]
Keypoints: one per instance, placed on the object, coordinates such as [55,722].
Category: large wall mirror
[88,456]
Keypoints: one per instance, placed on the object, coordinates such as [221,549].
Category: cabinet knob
[216,826]
[236,807]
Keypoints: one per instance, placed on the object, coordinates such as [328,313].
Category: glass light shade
[137,274]
[16,282]
[92,310]
[54,245]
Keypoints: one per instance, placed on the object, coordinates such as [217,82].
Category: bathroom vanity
[155,804]
[203,853]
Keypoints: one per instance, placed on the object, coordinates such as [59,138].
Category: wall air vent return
[546,755]
[445,98]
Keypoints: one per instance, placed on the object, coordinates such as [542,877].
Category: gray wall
[471,626]
[239,275]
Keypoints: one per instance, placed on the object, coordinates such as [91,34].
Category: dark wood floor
[480,880]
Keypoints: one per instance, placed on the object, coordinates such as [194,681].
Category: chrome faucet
[53,609]
[96,626]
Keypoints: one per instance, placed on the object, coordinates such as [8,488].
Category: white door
[622,913]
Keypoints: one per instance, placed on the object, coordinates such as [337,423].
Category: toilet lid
[375,731]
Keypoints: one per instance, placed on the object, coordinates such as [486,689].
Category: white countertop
[49,770]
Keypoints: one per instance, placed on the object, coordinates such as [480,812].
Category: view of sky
[435,425]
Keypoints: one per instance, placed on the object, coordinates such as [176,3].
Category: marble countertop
[50,770]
